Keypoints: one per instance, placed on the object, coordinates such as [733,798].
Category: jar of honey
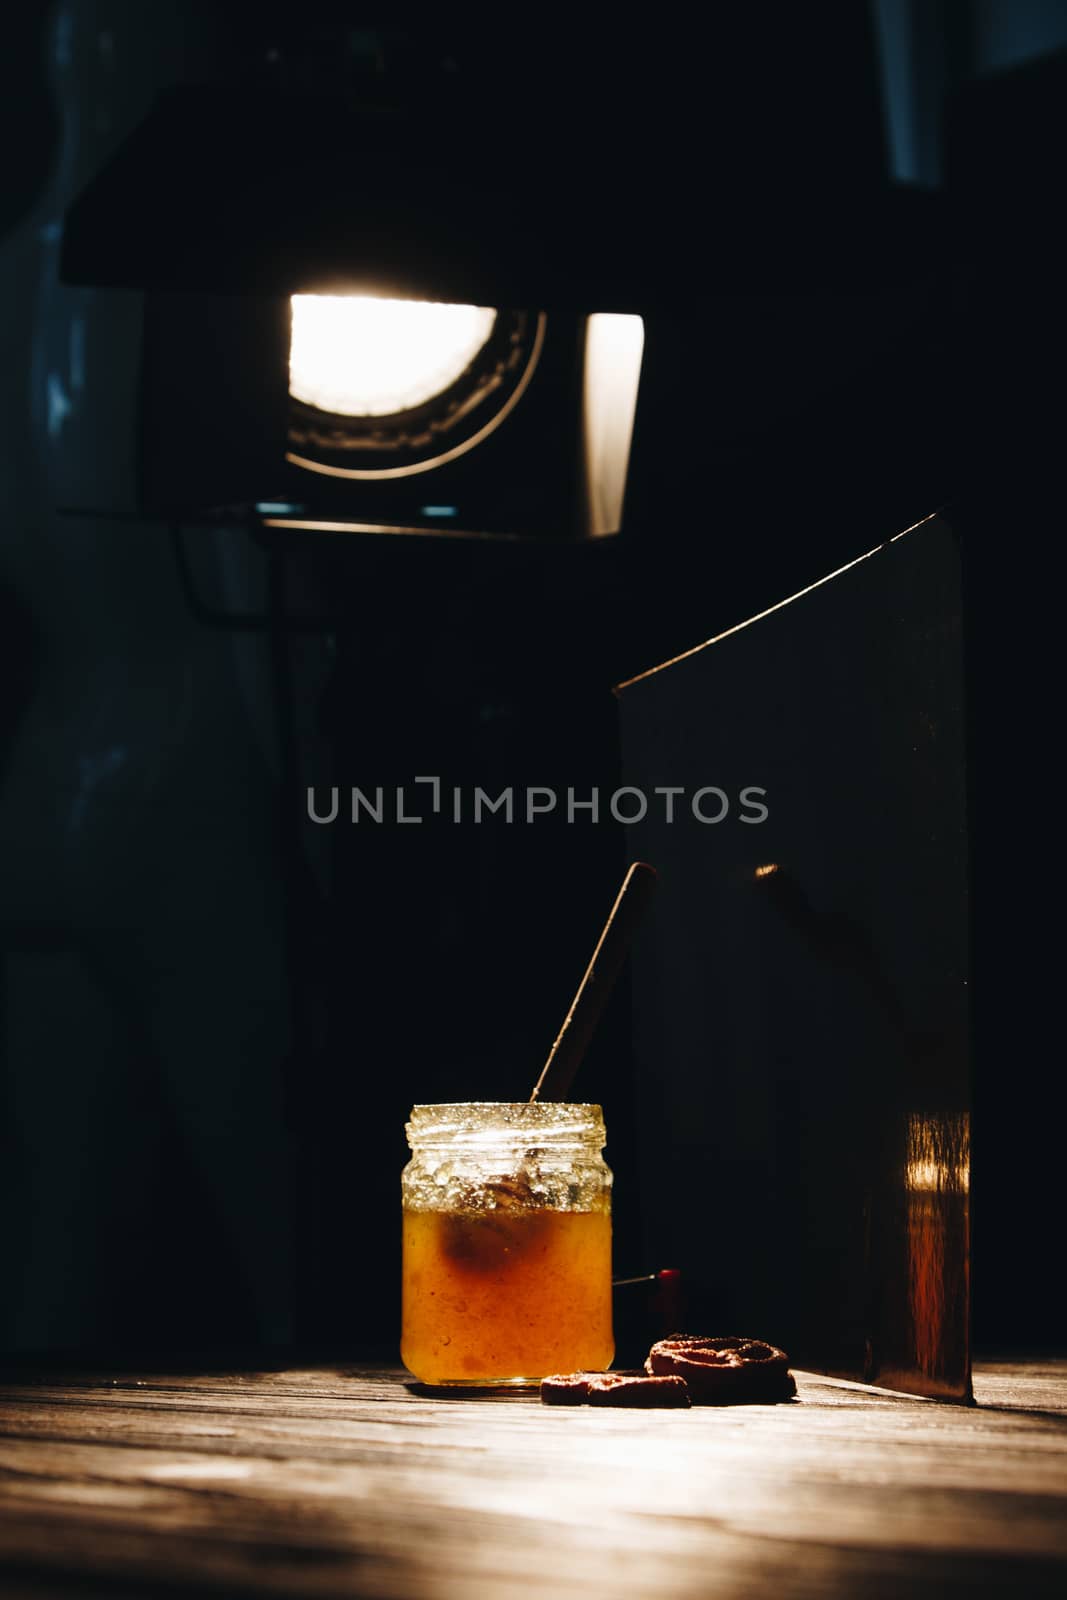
[507,1243]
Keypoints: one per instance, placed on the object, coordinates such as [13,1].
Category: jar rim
[491,1121]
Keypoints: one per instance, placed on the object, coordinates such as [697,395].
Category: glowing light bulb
[360,356]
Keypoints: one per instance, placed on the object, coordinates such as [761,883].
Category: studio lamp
[411,298]
[368,412]
[386,392]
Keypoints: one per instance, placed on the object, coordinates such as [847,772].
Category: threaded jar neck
[489,1125]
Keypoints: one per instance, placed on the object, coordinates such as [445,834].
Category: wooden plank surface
[336,1482]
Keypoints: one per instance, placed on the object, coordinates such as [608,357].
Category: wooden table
[336,1482]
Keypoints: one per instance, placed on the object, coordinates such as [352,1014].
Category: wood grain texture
[346,1483]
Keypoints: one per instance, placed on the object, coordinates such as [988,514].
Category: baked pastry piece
[620,1389]
[566,1388]
[614,1389]
[724,1371]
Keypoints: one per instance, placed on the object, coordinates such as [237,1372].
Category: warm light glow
[359,356]
[932,1175]
[939,1155]
[766,871]
[937,1177]
[614,345]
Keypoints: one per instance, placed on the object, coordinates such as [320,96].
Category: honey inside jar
[507,1244]
[494,1301]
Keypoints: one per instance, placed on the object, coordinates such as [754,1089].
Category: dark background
[216,1016]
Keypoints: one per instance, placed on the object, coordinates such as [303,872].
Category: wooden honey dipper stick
[573,1038]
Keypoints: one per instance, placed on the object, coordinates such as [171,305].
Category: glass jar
[507,1243]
